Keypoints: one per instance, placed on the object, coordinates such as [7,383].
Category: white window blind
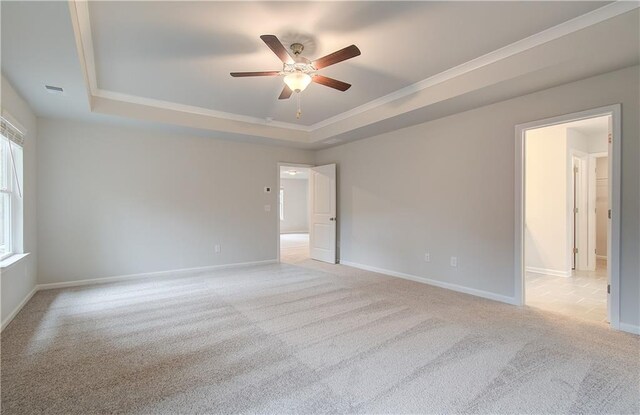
[10,132]
[11,142]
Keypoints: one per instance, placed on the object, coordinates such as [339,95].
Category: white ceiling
[183,54]
[598,126]
[302,173]
[38,48]
[165,65]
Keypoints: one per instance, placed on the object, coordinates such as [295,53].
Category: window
[281,203]
[5,202]
[10,191]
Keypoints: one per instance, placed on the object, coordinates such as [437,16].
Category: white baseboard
[175,272]
[546,271]
[15,312]
[629,328]
[454,287]
[435,283]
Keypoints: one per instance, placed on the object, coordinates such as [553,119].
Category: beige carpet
[298,339]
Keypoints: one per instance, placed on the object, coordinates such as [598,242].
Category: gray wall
[296,214]
[117,201]
[19,279]
[447,187]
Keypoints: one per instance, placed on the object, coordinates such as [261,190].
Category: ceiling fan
[299,71]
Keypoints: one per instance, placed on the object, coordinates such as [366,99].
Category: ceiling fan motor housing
[298,67]
[299,71]
[297,48]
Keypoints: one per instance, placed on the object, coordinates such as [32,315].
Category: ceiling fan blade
[278,48]
[335,57]
[286,93]
[263,73]
[331,83]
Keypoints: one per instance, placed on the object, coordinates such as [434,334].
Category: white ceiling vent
[54,89]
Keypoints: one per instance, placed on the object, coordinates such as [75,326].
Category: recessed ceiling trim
[86,40]
[82,31]
[84,65]
[190,109]
[112,103]
[580,22]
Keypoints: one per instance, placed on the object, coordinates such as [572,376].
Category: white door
[575,162]
[610,198]
[580,221]
[322,221]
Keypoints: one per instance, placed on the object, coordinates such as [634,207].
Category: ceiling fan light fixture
[297,81]
[299,71]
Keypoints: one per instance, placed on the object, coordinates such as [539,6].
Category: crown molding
[190,109]
[84,44]
[89,78]
[580,22]
[111,103]
[82,30]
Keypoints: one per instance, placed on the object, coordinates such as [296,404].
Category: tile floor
[584,295]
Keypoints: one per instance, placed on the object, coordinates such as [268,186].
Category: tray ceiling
[166,65]
[183,54]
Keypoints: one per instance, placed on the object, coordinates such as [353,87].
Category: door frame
[613,251]
[578,223]
[280,164]
[593,157]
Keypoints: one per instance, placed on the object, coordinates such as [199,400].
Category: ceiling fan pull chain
[299,113]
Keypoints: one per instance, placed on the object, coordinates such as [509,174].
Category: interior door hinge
[608,288]
[575,250]
[609,213]
[610,138]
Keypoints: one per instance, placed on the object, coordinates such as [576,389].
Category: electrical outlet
[454,261]
[217,248]
[427,257]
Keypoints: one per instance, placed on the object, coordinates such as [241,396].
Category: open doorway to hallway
[566,222]
[294,214]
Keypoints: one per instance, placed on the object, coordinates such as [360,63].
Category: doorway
[307,205]
[293,213]
[566,247]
